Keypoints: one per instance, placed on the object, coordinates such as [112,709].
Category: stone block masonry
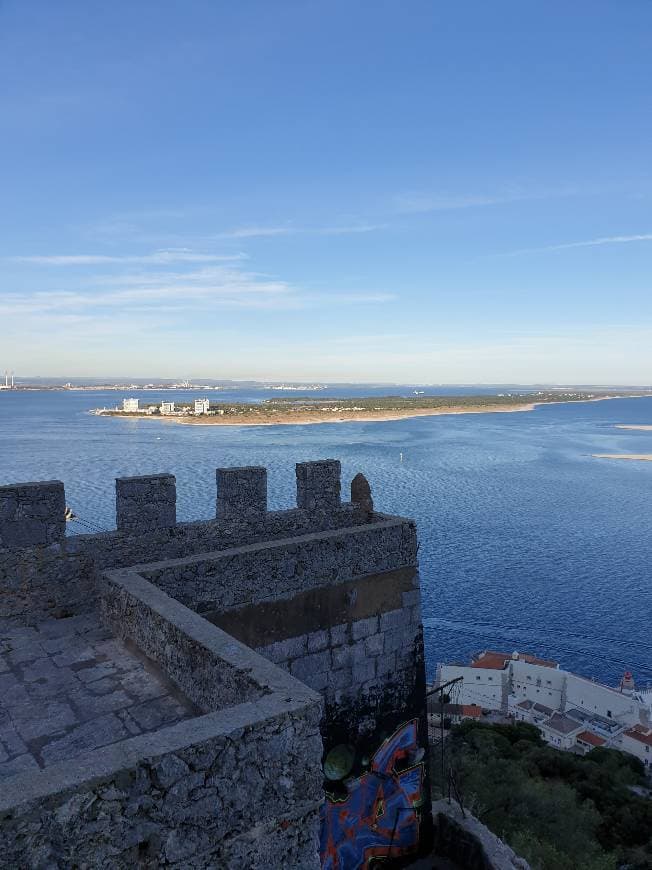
[224,773]
[88,689]
[292,641]
[318,485]
[32,514]
[241,493]
[144,504]
[340,611]
[43,572]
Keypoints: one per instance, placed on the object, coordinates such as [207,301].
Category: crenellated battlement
[32,514]
[44,570]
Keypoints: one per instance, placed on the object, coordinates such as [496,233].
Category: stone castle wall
[43,571]
[245,614]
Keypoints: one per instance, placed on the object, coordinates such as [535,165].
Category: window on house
[608,713]
[477,678]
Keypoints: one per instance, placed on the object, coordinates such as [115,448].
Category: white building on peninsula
[202,406]
[572,712]
[130,405]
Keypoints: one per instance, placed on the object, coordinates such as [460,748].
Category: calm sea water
[527,542]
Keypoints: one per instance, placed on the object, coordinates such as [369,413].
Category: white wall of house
[557,689]
[606,702]
[635,747]
[537,683]
[482,686]
[559,741]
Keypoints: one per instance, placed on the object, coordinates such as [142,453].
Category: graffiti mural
[375,816]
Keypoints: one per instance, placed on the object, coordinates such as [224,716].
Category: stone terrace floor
[67,686]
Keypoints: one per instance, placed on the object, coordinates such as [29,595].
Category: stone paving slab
[67,686]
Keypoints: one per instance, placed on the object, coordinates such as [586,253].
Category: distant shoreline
[305,417]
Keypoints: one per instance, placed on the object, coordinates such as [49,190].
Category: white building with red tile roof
[532,689]
[587,741]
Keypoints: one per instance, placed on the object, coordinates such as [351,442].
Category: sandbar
[635,456]
[305,416]
[641,428]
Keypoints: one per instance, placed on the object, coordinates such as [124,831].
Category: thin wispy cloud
[256,232]
[160,258]
[588,243]
[418,202]
[193,292]
[350,230]
[289,230]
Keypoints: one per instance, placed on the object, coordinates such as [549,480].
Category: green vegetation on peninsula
[302,409]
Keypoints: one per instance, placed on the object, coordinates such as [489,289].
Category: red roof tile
[496,661]
[643,735]
[471,710]
[593,739]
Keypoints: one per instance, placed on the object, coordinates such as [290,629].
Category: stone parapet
[144,504]
[32,514]
[43,571]
[212,669]
[222,789]
[294,638]
[318,485]
[268,570]
[241,493]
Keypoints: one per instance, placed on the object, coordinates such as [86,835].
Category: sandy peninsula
[641,428]
[303,411]
[301,418]
[636,456]
[307,417]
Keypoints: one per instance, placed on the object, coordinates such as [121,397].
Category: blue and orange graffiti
[379,816]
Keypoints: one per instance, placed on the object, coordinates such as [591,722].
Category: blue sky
[388,190]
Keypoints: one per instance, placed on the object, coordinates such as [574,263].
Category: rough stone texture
[225,790]
[67,686]
[467,842]
[318,485]
[338,610]
[241,493]
[361,493]
[355,666]
[124,782]
[37,581]
[143,504]
[249,616]
[32,514]
[211,668]
[279,569]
